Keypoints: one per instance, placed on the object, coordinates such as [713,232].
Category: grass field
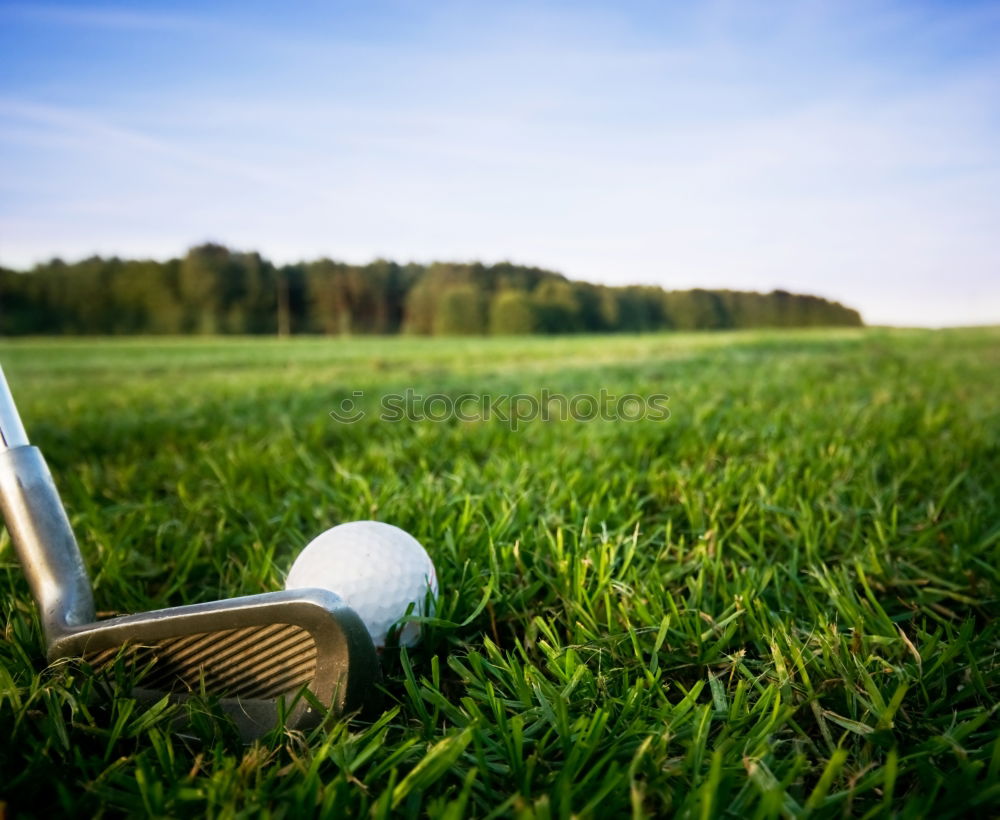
[780,601]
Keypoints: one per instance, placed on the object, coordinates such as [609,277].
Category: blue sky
[850,149]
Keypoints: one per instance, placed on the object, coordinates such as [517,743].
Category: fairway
[778,599]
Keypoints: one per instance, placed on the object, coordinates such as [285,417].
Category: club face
[256,654]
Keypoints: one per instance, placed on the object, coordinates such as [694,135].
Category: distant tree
[327,308]
[202,274]
[512,313]
[508,276]
[557,307]
[588,298]
[609,308]
[461,312]
[425,298]
[420,308]
[747,309]
[784,308]
[21,308]
[841,315]
[146,298]
[640,308]
[696,310]
[375,297]
[54,313]
[297,288]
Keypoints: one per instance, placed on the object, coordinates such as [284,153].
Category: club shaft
[12,432]
[44,541]
[39,527]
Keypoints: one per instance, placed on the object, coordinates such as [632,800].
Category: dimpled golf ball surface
[378,569]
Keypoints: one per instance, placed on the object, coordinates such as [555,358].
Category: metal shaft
[11,430]
[40,529]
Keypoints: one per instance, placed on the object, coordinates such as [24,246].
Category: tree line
[215,290]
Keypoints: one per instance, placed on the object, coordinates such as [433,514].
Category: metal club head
[258,654]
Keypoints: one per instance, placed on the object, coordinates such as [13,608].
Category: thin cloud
[87,131]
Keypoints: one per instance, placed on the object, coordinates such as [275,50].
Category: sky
[849,149]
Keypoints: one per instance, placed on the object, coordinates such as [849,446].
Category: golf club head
[256,653]
[260,654]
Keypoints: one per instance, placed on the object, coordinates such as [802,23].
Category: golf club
[257,653]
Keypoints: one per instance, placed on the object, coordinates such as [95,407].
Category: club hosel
[44,540]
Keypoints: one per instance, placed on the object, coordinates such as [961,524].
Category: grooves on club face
[250,652]
[253,662]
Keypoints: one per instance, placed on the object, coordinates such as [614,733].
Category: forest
[215,290]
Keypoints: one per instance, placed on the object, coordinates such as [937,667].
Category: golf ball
[378,569]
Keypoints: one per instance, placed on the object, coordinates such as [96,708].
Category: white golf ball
[378,569]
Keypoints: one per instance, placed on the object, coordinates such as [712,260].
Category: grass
[781,601]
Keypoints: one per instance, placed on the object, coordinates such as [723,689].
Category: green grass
[781,601]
